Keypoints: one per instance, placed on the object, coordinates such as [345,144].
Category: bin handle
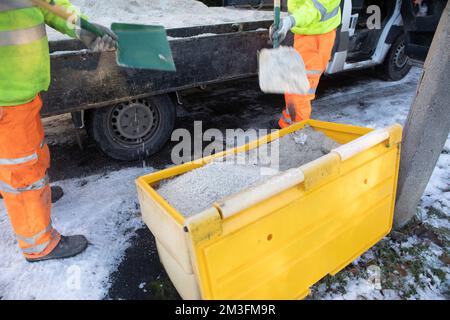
[235,203]
[360,144]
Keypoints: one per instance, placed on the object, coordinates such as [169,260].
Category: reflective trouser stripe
[313,71]
[22,36]
[16,161]
[288,121]
[40,184]
[323,11]
[36,249]
[6,5]
[32,240]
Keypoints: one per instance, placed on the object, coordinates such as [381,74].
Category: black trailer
[131,113]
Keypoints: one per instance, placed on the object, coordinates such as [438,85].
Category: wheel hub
[133,121]
[400,57]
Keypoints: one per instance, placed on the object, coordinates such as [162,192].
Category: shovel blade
[282,70]
[143,47]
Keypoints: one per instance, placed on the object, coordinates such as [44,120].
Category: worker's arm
[58,23]
[102,40]
[306,14]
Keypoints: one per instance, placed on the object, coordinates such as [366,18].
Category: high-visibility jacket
[314,17]
[24,50]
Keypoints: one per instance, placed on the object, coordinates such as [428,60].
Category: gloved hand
[286,24]
[95,43]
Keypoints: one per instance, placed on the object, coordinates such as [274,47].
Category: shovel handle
[69,16]
[59,11]
[84,24]
[277,14]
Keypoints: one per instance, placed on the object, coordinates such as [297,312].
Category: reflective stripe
[35,186]
[36,249]
[286,120]
[331,15]
[40,184]
[6,5]
[22,36]
[323,11]
[40,247]
[32,240]
[6,188]
[313,71]
[22,160]
[311,91]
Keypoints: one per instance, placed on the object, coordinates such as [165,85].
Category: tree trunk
[427,126]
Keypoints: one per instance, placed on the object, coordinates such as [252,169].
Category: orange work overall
[316,53]
[24,160]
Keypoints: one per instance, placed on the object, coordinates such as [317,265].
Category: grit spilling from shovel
[198,189]
[282,70]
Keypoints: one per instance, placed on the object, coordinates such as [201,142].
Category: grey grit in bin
[198,189]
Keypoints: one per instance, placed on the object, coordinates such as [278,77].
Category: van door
[420,19]
[343,34]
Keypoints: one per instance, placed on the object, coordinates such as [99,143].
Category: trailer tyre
[134,129]
[396,65]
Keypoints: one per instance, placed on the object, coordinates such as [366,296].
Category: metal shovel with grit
[281,69]
[138,46]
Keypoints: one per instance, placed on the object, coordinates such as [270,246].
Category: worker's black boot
[67,247]
[57,193]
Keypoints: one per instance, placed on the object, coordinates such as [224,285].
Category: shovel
[143,47]
[281,69]
[138,46]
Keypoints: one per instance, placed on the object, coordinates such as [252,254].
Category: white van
[372,33]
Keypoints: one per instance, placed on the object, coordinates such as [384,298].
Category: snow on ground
[169,13]
[376,103]
[102,207]
[437,193]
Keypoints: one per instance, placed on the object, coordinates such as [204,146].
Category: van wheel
[134,129]
[396,65]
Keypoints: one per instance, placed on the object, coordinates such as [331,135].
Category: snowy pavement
[101,202]
[103,208]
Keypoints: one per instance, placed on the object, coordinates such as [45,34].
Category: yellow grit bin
[278,238]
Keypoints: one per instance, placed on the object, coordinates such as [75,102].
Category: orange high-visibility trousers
[24,160]
[316,53]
